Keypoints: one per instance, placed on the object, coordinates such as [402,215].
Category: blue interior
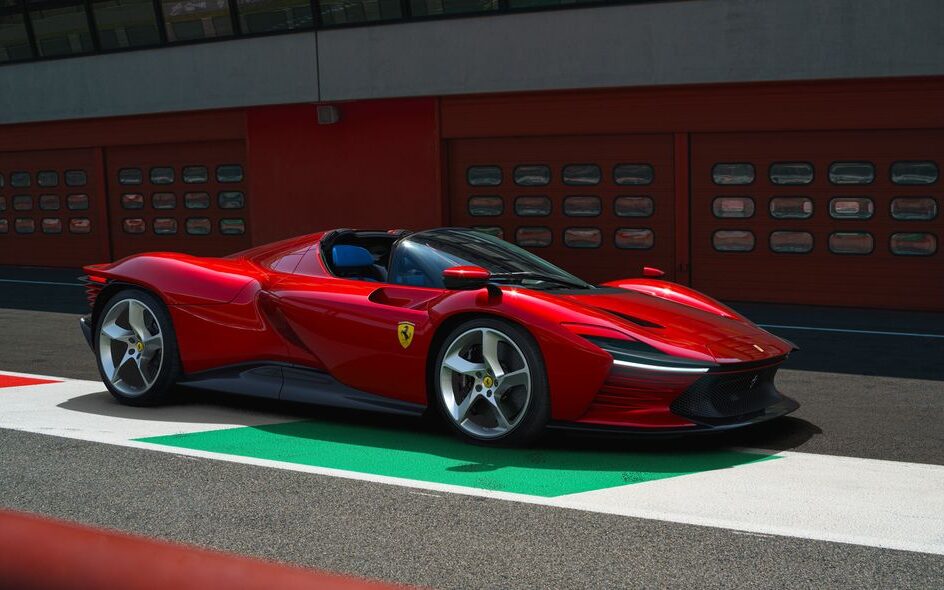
[347,256]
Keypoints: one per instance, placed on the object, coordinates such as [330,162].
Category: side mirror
[653,272]
[461,278]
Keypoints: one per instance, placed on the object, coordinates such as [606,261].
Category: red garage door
[188,197]
[601,207]
[832,218]
[52,208]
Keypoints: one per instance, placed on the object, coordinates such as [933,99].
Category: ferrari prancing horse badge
[405,333]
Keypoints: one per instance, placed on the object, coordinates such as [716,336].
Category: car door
[370,336]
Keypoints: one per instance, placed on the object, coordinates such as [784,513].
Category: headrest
[346,256]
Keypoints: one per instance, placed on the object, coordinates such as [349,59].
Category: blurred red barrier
[38,553]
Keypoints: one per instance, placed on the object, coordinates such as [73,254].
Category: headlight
[639,355]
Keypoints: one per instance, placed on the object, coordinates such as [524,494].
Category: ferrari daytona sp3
[501,343]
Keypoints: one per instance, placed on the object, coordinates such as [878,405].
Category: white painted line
[41,283]
[868,502]
[849,331]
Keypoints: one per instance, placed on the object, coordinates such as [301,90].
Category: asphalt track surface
[864,394]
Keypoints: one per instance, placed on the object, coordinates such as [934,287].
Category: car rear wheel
[490,383]
[136,348]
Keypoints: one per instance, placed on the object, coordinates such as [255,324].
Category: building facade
[758,150]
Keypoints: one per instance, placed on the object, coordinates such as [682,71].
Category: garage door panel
[52,208]
[189,197]
[601,207]
[839,218]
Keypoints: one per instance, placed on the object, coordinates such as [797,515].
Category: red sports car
[501,342]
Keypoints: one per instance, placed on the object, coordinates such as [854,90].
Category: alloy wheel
[131,347]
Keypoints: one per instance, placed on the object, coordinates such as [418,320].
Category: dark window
[52,225]
[532,175]
[582,206]
[126,23]
[486,206]
[76,178]
[533,237]
[913,244]
[733,173]
[20,179]
[163,200]
[77,202]
[533,206]
[162,175]
[849,242]
[1,180]
[232,227]
[632,238]
[132,201]
[3,203]
[437,7]
[14,43]
[130,176]
[633,206]
[164,226]
[581,174]
[914,208]
[733,240]
[62,30]
[49,202]
[791,207]
[632,174]
[583,237]
[229,173]
[231,200]
[197,200]
[134,225]
[733,207]
[791,173]
[851,208]
[483,176]
[4,226]
[25,225]
[187,21]
[269,16]
[339,12]
[914,172]
[851,173]
[198,226]
[195,174]
[791,242]
[47,178]
[22,203]
[80,225]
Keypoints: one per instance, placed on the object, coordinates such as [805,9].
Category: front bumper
[85,322]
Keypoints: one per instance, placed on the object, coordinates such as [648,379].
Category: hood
[680,330]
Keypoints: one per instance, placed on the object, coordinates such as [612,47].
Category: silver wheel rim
[131,347]
[485,383]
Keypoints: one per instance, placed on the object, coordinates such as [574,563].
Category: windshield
[420,258]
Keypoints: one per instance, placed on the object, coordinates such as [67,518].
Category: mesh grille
[723,396]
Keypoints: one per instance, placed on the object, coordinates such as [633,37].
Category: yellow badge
[139,346]
[405,333]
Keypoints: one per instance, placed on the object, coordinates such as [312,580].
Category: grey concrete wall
[681,42]
[267,70]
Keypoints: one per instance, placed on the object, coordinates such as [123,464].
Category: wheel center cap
[487,381]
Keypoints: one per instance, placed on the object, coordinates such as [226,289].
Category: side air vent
[633,319]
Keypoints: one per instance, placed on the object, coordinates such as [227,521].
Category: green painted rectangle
[441,459]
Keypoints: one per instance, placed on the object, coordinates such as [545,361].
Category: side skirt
[296,384]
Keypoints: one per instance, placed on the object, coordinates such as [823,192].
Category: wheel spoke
[513,379]
[139,363]
[124,361]
[116,332]
[499,413]
[490,353]
[461,410]
[457,364]
[136,319]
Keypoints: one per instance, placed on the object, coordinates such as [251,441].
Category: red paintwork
[466,272]
[649,271]
[279,303]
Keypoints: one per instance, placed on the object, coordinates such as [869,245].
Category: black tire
[536,412]
[162,388]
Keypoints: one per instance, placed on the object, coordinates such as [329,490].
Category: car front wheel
[490,383]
